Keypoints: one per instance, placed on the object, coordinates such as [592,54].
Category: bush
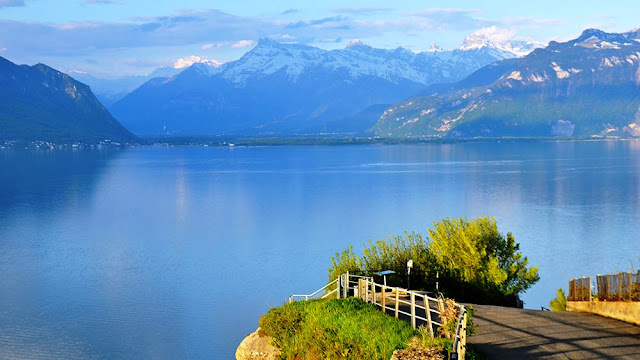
[560,302]
[475,262]
[335,329]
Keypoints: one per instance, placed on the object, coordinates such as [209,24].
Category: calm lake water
[174,253]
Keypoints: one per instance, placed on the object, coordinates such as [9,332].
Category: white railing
[418,308]
[315,294]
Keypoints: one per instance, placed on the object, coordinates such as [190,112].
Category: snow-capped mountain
[499,40]
[586,87]
[291,88]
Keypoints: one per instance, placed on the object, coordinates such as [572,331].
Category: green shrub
[560,302]
[474,261]
[335,329]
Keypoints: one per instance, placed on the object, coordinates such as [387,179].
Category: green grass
[335,329]
[347,329]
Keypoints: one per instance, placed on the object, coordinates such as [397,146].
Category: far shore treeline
[470,259]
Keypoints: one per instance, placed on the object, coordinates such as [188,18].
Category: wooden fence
[611,287]
[418,308]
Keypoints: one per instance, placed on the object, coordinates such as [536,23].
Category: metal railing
[416,307]
[315,294]
[611,287]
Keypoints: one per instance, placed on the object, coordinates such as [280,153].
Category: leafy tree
[475,261]
[475,252]
[389,254]
[560,302]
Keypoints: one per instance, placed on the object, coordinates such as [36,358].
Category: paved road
[507,333]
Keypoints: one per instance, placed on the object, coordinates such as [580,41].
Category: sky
[113,38]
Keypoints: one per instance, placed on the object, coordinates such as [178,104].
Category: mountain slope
[108,91]
[587,87]
[40,103]
[291,89]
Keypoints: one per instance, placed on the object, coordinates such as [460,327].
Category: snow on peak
[397,65]
[354,42]
[433,47]
[194,59]
[499,39]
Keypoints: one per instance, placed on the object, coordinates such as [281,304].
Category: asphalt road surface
[508,333]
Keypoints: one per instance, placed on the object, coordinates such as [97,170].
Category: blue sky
[111,38]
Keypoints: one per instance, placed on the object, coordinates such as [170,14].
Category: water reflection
[142,254]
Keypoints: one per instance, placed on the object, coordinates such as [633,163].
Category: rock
[256,347]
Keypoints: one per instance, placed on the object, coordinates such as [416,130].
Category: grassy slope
[335,329]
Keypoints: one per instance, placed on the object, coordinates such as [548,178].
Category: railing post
[427,308]
[629,286]
[346,286]
[383,295]
[373,292]
[366,290]
[397,301]
[338,289]
[413,309]
[590,292]
[463,342]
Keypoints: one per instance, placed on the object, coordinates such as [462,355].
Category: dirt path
[507,333]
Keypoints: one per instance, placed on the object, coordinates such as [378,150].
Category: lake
[175,252]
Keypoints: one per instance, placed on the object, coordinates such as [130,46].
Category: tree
[475,252]
[475,261]
[560,302]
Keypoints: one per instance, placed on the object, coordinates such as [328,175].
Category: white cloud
[190,60]
[495,34]
[213,46]
[243,44]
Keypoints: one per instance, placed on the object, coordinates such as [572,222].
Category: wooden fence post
[373,292]
[366,289]
[397,301]
[629,286]
[346,286]
[383,295]
[413,309]
[463,342]
[619,286]
[427,308]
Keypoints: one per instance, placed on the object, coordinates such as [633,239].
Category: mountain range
[41,103]
[586,87]
[286,89]
[110,90]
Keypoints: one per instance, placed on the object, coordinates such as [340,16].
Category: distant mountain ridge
[108,91]
[41,103]
[586,87]
[283,89]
